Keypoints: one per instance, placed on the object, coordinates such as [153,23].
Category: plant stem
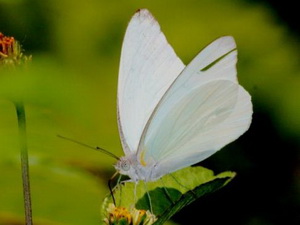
[24,161]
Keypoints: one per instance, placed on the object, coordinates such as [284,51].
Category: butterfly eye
[125,165]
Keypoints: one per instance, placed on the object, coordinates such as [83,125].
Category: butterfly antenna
[88,146]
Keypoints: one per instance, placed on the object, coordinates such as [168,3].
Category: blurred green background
[70,89]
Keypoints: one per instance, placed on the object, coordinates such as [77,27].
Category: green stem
[24,162]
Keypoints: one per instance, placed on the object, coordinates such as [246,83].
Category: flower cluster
[10,51]
[6,45]
[122,216]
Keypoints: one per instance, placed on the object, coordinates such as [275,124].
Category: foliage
[171,193]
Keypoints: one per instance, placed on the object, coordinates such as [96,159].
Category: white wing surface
[203,110]
[148,67]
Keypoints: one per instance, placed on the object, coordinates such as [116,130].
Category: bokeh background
[70,89]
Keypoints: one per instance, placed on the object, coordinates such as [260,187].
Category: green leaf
[171,193]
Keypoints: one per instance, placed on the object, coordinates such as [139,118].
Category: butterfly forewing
[148,67]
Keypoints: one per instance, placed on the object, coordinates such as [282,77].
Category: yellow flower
[122,216]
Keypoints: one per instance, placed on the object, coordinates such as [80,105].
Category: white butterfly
[171,116]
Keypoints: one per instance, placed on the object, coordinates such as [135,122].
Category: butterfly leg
[194,194]
[110,187]
[134,193]
[166,191]
[120,183]
[149,198]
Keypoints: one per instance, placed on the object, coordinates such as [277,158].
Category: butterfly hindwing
[203,110]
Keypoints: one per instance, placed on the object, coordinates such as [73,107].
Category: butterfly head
[128,165]
[123,164]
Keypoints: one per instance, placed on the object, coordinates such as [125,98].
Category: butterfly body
[171,116]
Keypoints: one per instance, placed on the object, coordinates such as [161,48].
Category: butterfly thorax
[130,166]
